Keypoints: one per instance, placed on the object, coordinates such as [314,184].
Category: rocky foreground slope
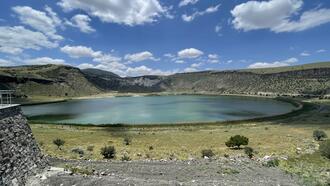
[54,80]
[237,171]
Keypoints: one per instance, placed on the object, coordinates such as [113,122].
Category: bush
[207,153]
[151,148]
[325,149]
[125,158]
[108,152]
[127,140]
[58,142]
[249,152]
[90,148]
[318,135]
[78,151]
[237,141]
[273,163]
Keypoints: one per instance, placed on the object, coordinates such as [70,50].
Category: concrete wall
[20,155]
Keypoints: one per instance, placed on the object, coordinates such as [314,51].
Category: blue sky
[142,37]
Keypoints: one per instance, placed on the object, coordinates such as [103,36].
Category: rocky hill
[55,80]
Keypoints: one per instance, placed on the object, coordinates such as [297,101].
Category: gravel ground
[238,171]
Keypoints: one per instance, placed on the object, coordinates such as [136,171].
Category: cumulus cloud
[14,40]
[189,18]
[128,12]
[190,53]
[45,22]
[283,63]
[213,58]
[305,54]
[82,22]
[44,61]
[80,51]
[179,61]
[187,2]
[277,16]
[141,56]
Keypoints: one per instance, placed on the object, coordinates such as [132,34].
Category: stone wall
[20,155]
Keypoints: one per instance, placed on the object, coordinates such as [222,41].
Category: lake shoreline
[299,107]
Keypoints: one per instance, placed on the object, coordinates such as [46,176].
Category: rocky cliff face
[20,155]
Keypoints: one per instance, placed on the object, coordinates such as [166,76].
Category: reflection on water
[156,109]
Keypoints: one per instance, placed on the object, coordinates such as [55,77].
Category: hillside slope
[55,80]
[46,80]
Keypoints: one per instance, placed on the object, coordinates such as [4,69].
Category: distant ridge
[62,81]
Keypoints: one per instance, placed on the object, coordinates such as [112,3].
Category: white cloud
[128,12]
[217,28]
[143,70]
[80,51]
[213,58]
[190,53]
[321,51]
[180,61]
[277,15]
[4,62]
[305,54]
[283,63]
[187,2]
[190,69]
[45,22]
[82,22]
[196,65]
[14,40]
[189,18]
[168,55]
[141,56]
[44,61]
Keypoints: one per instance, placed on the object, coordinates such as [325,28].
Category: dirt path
[195,172]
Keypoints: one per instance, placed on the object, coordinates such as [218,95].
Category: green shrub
[125,158]
[151,148]
[58,142]
[318,135]
[325,149]
[108,152]
[207,153]
[249,152]
[127,140]
[237,141]
[78,151]
[273,163]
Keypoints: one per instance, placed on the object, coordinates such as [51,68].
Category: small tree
[108,152]
[325,149]
[237,141]
[58,142]
[318,135]
[249,151]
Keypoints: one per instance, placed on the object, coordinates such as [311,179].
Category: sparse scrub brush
[108,152]
[58,142]
[319,135]
[325,149]
[207,153]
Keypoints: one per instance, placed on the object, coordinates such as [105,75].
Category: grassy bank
[287,136]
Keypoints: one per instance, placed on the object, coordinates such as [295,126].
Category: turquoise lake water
[156,110]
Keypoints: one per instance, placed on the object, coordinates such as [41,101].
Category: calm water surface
[156,109]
